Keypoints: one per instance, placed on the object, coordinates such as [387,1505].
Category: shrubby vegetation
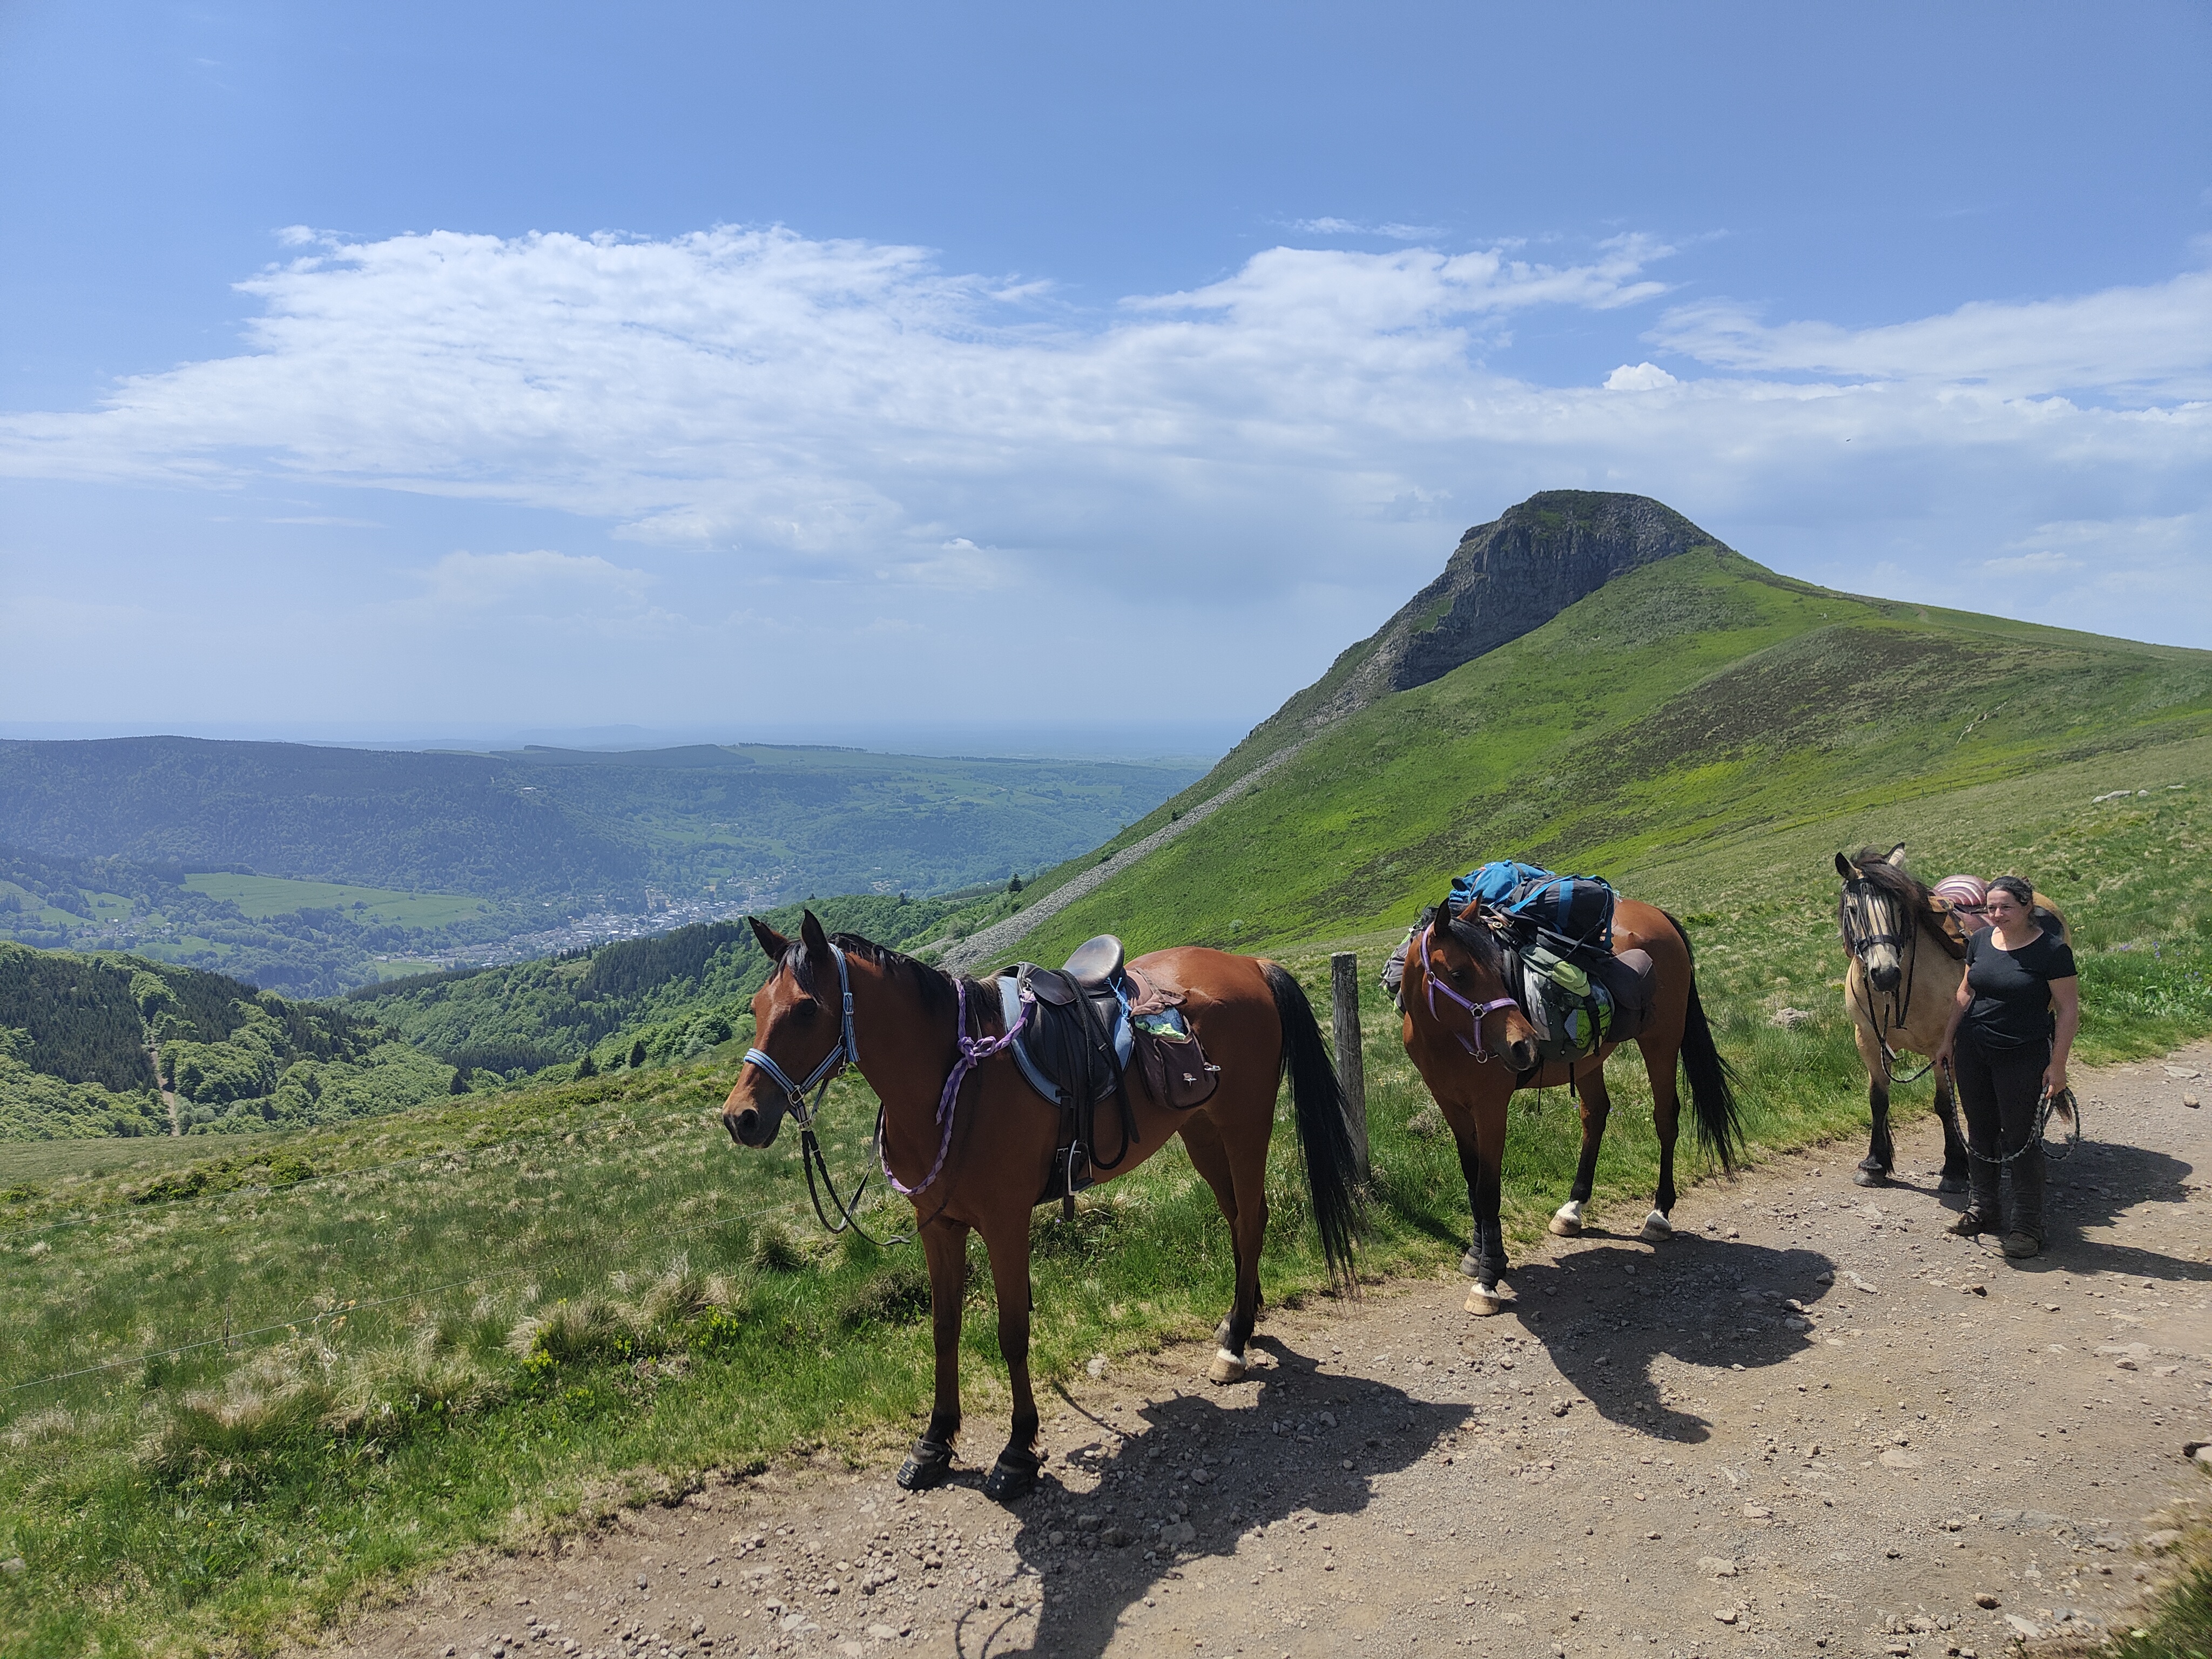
[78,1035]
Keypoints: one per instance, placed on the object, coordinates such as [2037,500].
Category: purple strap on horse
[1474,1009]
[971,1050]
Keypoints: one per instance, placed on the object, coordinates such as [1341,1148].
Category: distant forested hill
[88,1042]
[642,1001]
[778,823]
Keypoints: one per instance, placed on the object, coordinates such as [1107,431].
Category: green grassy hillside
[1702,697]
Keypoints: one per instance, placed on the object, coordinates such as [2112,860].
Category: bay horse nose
[744,1125]
[1521,1055]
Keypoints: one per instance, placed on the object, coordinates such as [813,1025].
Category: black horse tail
[1324,1131]
[1712,1079]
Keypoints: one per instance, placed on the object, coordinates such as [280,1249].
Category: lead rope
[2065,1103]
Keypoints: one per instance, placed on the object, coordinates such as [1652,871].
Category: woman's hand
[1943,1056]
[2054,1078]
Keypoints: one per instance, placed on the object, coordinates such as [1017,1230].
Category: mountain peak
[1504,579]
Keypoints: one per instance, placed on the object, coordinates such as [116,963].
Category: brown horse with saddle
[999,1095]
[1464,995]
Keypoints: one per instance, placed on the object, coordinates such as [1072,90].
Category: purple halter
[971,1050]
[1478,1010]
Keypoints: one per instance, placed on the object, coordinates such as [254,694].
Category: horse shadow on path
[1255,1481]
[1601,1326]
[1605,1312]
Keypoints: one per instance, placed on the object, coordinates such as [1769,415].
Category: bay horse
[976,1144]
[1479,1049]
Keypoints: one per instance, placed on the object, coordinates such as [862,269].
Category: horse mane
[937,990]
[1907,890]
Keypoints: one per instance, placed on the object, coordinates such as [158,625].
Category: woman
[2006,1051]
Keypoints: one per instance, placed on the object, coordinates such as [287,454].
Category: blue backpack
[1576,910]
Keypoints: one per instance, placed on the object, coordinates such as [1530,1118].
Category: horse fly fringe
[1712,1079]
[1324,1131]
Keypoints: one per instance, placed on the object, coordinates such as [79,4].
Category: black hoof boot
[1471,1265]
[1951,1183]
[1012,1477]
[929,1464]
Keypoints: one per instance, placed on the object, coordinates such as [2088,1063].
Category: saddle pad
[1009,1005]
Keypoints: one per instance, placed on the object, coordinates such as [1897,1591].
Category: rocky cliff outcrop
[1504,579]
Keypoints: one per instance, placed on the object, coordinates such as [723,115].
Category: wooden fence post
[1350,1074]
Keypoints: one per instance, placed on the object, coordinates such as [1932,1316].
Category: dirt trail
[1654,1453]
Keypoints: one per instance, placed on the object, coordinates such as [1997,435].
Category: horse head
[794,1025]
[1879,912]
[1462,958]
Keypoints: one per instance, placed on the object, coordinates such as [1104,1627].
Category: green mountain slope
[1696,698]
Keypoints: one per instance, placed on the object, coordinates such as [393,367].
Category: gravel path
[1813,1421]
[995,940]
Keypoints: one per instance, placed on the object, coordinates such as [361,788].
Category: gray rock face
[1503,580]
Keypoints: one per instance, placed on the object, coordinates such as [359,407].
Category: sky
[856,373]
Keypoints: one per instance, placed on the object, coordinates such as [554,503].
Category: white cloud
[2044,564]
[1638,377]
[2151,342]
[849,411]
[541,586]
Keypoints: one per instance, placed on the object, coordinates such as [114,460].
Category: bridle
[1477,1012]
[848,1053]
[1896,1004]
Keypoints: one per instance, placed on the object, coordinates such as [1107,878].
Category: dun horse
[977,1144]
[1899,989]
[1907,955]
[1476,1048]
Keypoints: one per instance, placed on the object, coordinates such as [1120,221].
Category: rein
[1477,1012]
[848,1053]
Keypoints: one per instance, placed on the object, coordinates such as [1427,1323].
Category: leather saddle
[1075,1051]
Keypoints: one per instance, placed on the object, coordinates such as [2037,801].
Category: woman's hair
[2018,887]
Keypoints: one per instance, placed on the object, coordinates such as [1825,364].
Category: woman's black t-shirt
[2011,1007]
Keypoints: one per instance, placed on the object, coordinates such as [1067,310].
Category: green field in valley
[276,896]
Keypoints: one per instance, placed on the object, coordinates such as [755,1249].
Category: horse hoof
[1657,1228]
[1567,1219]
[1471,1265]
[1012,1477]
[1867,1177]
[927,1465]
[1951,1184]
[1485,1300]
[1227,1367]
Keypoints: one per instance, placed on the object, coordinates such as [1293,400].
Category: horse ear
[1843,868]
[773,942]
[1896,855]
[816,941]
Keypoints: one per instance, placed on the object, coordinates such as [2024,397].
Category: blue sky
[810,372]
